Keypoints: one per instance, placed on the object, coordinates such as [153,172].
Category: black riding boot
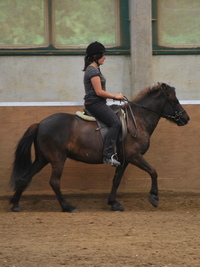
[110,156]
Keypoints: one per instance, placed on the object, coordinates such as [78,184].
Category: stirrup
[112,161]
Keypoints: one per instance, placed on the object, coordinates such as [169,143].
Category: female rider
[95,99]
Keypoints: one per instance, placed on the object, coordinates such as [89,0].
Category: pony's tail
[22,161]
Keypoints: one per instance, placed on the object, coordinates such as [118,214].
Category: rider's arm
[96,83]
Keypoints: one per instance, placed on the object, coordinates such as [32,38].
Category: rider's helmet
[95,48]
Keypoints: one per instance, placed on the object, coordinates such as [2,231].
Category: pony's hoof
[117,207]
[153,200]
[15,209]
[70,209]
[74,211]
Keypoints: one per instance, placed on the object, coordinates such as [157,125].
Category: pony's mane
[146,91]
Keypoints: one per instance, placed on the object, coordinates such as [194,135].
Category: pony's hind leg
[15,200]
[57,170]
[22,184]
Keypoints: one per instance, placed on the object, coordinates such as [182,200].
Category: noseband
[177,112]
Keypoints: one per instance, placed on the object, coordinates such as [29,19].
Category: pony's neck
[149,109]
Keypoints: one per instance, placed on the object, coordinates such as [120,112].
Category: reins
[159,113]
[176,117]
[132,116]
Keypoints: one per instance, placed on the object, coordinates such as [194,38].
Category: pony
[62,135]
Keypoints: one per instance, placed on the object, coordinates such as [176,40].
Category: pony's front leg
[115,205]
[140,162]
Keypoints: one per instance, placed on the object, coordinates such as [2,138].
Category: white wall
[56,78]
[59,78]
[183,72]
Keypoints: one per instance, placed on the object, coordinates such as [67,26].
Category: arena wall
[174,152]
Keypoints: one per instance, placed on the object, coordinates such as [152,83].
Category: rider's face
[101,60]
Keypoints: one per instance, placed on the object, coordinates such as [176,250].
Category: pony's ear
[170,91]
[164,86]
[157,86]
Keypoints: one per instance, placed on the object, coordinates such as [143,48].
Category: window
[63,26]
[176,26]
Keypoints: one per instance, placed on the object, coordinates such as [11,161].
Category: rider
[95,99]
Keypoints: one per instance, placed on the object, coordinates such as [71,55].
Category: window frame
[161,50]
[124,47]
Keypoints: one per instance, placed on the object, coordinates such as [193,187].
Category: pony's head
[171,109]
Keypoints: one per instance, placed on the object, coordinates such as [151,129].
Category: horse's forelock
[169,90]
[163,87]
[157,86]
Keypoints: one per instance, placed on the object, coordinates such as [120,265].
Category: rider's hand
[118,97]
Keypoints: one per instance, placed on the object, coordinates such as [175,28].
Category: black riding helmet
[95,48]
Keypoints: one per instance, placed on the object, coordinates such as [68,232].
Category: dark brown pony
[63,136]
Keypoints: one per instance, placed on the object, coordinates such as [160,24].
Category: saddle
[86,115]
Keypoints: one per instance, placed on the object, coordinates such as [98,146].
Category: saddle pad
[85,117]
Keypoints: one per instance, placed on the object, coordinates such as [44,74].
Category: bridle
[177,112]
[176,117]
